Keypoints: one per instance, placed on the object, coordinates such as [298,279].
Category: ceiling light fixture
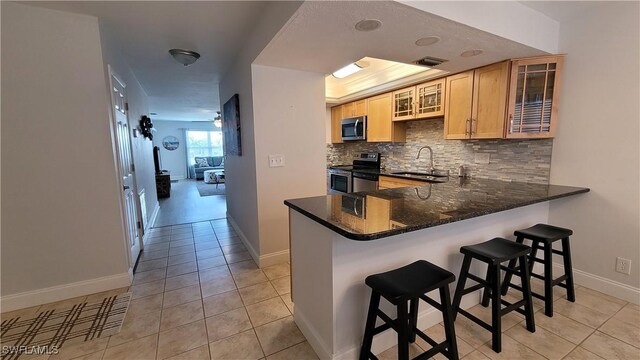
[217,121]
[470,53]
[368,25]
[426,41]
[350,69]
[184,57]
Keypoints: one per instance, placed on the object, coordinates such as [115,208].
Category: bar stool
[494,252]
[543,236]
[409,284]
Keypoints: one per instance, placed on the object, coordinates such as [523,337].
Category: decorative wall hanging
[145,127]
[170,142]
[231,126]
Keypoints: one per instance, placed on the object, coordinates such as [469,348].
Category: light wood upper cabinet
[533,97]
[476,103]
[430,99]
[336,125]
[420,101]
[380,128]
[355,108]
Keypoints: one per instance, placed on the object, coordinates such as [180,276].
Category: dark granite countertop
[378,214]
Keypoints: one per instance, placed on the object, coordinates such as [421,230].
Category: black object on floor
[494,252]
[408,285]
[542,237]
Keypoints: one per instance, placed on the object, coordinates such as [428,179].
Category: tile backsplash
[511,160]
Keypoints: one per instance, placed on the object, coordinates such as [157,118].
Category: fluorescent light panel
[347,70]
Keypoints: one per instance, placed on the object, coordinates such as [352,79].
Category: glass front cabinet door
[533,97]
[429,99]
[403,104]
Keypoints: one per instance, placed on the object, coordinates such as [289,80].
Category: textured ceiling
[321,38]
[146,30]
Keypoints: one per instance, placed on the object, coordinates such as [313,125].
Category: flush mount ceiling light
[368,25]
[184,57]
[217,121]
[350,69]
[426,41]
[470,53]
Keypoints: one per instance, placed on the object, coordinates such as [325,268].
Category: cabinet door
[533,98]
[403,104]
[430,99]
[360,107]
[458,102]
[489,101]
[336,125]
[348,110]
[380,128]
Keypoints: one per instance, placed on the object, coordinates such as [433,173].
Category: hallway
[187,206]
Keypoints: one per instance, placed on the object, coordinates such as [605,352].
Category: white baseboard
[274,258]
[252,251]
[62,292]
[381,342]
[154,215]
[601,284]
[178,177]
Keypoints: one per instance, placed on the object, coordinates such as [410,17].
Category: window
[204,143]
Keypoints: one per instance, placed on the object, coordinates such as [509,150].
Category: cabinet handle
[472,121]
[510,123]
[467,127]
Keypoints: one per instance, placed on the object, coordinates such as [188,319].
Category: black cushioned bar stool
[407,285]
[495,252]
[542,237]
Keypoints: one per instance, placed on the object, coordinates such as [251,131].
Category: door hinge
[126,106]
[139,224]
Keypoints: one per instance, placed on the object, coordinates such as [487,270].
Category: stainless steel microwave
[354,128]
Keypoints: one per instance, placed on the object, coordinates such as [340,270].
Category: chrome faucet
[431,168]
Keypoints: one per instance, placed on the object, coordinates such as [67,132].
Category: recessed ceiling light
[426,41]
[350,69]
[368,25]
[470,53]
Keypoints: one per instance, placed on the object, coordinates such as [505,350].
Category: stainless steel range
[362,175]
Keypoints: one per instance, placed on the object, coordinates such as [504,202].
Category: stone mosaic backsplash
[510,160]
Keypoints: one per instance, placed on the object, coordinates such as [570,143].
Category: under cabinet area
[380,127]
[476,103]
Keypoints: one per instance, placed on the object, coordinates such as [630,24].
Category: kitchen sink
[411,173]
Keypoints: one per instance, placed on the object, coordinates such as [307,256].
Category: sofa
[198,168]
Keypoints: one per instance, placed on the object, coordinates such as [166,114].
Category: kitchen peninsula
[338,240]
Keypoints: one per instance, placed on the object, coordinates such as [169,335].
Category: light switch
[276,160]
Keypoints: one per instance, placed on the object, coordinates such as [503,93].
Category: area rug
[48,331]
[210,189]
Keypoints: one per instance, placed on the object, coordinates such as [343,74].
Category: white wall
[240,171]
[141,148]
[60,209]
[289,118]
[597,143]
[176,161]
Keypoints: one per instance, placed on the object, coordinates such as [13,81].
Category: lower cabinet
[390,182]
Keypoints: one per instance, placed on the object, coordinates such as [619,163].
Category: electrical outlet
[623,266]
[276,160]
[482,158]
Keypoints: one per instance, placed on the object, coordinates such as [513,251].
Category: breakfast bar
[338,240]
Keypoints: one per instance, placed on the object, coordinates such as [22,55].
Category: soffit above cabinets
[379,76]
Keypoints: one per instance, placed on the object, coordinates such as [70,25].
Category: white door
[119,108]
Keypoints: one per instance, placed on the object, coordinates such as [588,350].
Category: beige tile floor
[197,294]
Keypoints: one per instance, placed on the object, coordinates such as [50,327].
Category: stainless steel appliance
[354,128]
[339,180]
[361,176]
